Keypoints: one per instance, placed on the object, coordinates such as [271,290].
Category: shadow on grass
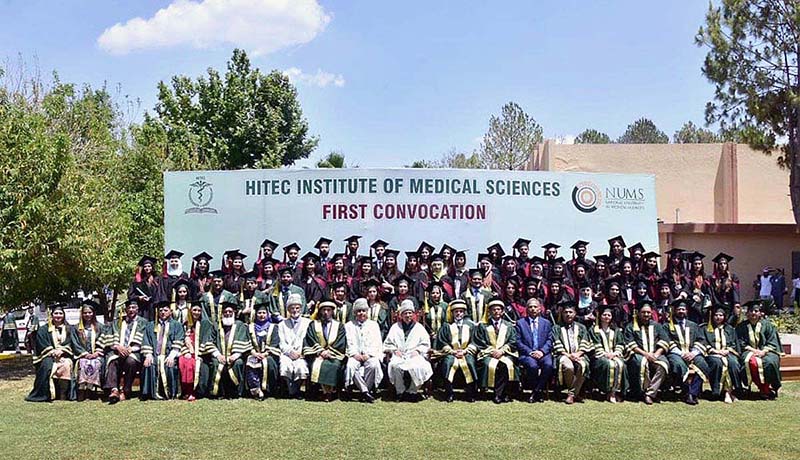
[16,367]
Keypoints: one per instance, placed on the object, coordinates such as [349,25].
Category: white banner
[468,209]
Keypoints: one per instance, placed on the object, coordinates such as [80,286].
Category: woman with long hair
[608,365]
[87,343]
[198,342]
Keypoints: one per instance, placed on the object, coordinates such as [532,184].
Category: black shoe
[368,398]
[450,397]
[532,398]
[497,400]
[471,399]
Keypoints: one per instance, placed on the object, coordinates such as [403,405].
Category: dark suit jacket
[525,337]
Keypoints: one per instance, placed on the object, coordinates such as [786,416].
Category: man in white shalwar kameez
[364,352]
[292,334]
[408,343]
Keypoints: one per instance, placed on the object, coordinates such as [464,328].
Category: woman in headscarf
[261,366]
[52,358]
[87,341]
[585,310]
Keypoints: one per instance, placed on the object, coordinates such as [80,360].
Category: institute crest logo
[201,194]
[587,197]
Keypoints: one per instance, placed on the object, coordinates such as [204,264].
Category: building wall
[704,182]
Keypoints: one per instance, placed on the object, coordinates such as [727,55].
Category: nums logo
[587,197]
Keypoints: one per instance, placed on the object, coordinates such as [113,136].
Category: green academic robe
[228,378]
[561,347]
[47,340]
[269,346]
[88,341]
[650,338]
[279,299]
[379,312]
[212,307]
[486,342]
[138,340]
[160,381]
[203,346]
[451,338]
[325,371]
[247,305]
[725,370]
[476,305]
[761,336]
[608,372]
[682,340]
[344,312]
[435,318]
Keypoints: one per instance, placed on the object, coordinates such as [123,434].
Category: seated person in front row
[570,348]
[646,343]
[722,350]
[608,366]
[161,379]
[292,334]
[53,352]
[496,340]
[324,348]
[457,350]
[233,344]
[535,345]
[759,345]
[364,352]
[408,343]
[687,363]
[261,368]
[124,345]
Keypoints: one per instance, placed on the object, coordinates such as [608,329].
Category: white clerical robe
[364,340]
[417,366]
[291,339]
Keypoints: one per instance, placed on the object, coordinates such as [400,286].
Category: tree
[452,159]
[510,140]
[61,228]
[643,131]
[753,63]
[244,119]
[333,160]
[693,134]
[592,136]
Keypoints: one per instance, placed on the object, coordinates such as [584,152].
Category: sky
[388,83]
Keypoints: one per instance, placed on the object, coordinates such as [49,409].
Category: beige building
[710,198]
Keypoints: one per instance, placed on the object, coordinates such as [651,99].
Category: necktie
[496,328]
[535,332]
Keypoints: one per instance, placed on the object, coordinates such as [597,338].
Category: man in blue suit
[535,346]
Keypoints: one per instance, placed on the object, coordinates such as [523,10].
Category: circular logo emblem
[586,197]
[201,194]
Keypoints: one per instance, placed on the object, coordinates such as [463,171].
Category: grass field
[276,429]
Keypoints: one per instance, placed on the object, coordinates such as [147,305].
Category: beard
[228,321]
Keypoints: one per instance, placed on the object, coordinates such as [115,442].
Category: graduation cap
[286,270]
[514,281]
[291,246]
[557,260]
[437,257]
[352,238]
[268,260]
[173,254]
[372,282]
[721,256]
[676,252]
[311,256]
[639,306]
[90,303]
[181,282]
[532,280]
[665,281]
[568,304]
[447,246]
[267,243]
[391,253]
[378,243]
[601,258]
[201,256]
[550,246]
[363,259]
[322,241]
[508,257]
[433,284]
[754,305]
[537,260]
[696,256]
[216,273]
[461,253]
[578,244]
[147,260]
[338,255]
[556,281]
[405,278]
[475,271]
[425,245]
[57,306]
[650,255]
[521,242]
[498,248]
[636,247]
[261,304]
[251,275]
[412,254]
[616,238]
[161,302]
[336,285]
[679,303]
[131,301]
[235,254]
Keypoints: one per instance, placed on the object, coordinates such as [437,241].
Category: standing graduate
[233,266]
[232,346]
[250,297]
[351,254]
[126,343]
[267,275]
[586,305]
[337,273]
[424,252]
[698,288]
[325,348]
[476,296]
[687,352]
[172,271]
[579,251]
[365,273]
[459,273]
[722,355]
[389,273]
[212,300]
[675,270]
[616,253]
[265,251]
[608,369]
[413,271]
[646,343]
[198,275]
[761,349]
[402,290]
[282,291]
[52,357]
[636,253]
[377,251]
[261,366]
[725,287]
[161,379]
[407,344]
[145,286]
[455,347]
[571,347]
[87,346]
[314,286]
[291,259]
[195,359]
[438,272]
[324,259]
[515,308]
[521,251]
[496,341]
[181,300]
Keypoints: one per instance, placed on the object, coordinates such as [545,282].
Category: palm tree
[333,160]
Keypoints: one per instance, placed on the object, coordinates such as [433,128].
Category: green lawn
[296,429]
